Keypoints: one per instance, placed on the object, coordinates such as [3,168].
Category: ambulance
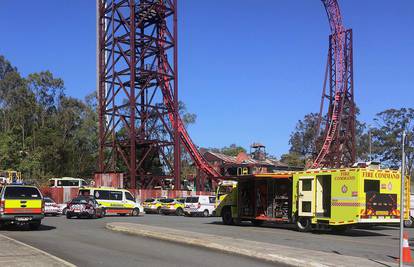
[113,200]
[329,198]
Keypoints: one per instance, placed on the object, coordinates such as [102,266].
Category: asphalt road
[86,242]
[378,243]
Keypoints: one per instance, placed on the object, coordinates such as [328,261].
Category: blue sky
[249,69]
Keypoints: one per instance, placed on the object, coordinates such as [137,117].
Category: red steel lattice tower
[337,124]
[140,130]
[138,134]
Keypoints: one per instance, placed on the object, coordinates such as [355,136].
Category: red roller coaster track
[338,147]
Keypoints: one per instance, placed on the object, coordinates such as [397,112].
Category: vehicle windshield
[191,200]
[81,200]
[22,192]
[225,189]
[84,192]
[167,200]
[149,200]
[48,200]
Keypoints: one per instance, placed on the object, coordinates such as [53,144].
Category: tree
[303,141]
[232,150]
[44,133]
[293,160]
[5,67]
[387,137]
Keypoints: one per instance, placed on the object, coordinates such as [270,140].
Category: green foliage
[5,67]
[304,142]
[302,139]
[232,150]
[387,137]
[43,132]
[293,159]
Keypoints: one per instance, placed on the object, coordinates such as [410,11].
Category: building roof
[243,158]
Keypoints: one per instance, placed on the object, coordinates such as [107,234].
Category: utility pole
[370,141]
[402,199]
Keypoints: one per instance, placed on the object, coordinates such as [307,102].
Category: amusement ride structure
[140,129]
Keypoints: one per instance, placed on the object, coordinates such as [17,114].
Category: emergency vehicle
[199,205]
[334,198]
[175,206]
[153,205]
[224,188]
[21,205]
[113,200]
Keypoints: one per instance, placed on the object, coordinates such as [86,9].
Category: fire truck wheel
[226,216]
[257,222]
[303,224]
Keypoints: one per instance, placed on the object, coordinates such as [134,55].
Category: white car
[51,208]
[199,205]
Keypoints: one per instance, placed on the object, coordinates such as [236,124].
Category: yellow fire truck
[334,198]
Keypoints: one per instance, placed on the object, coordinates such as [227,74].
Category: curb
[58,260]
[216,246]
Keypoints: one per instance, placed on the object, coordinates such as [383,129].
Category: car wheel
[159,210]
[64,211]
[34,225]
[303,224]
[68,215]
[226,216]
[135,212]
[179,212]
[408,223]
[206,213]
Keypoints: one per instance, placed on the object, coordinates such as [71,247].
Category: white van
[199,205]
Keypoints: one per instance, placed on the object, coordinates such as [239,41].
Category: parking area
[85,241]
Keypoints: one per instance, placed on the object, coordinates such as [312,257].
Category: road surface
[86,242]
